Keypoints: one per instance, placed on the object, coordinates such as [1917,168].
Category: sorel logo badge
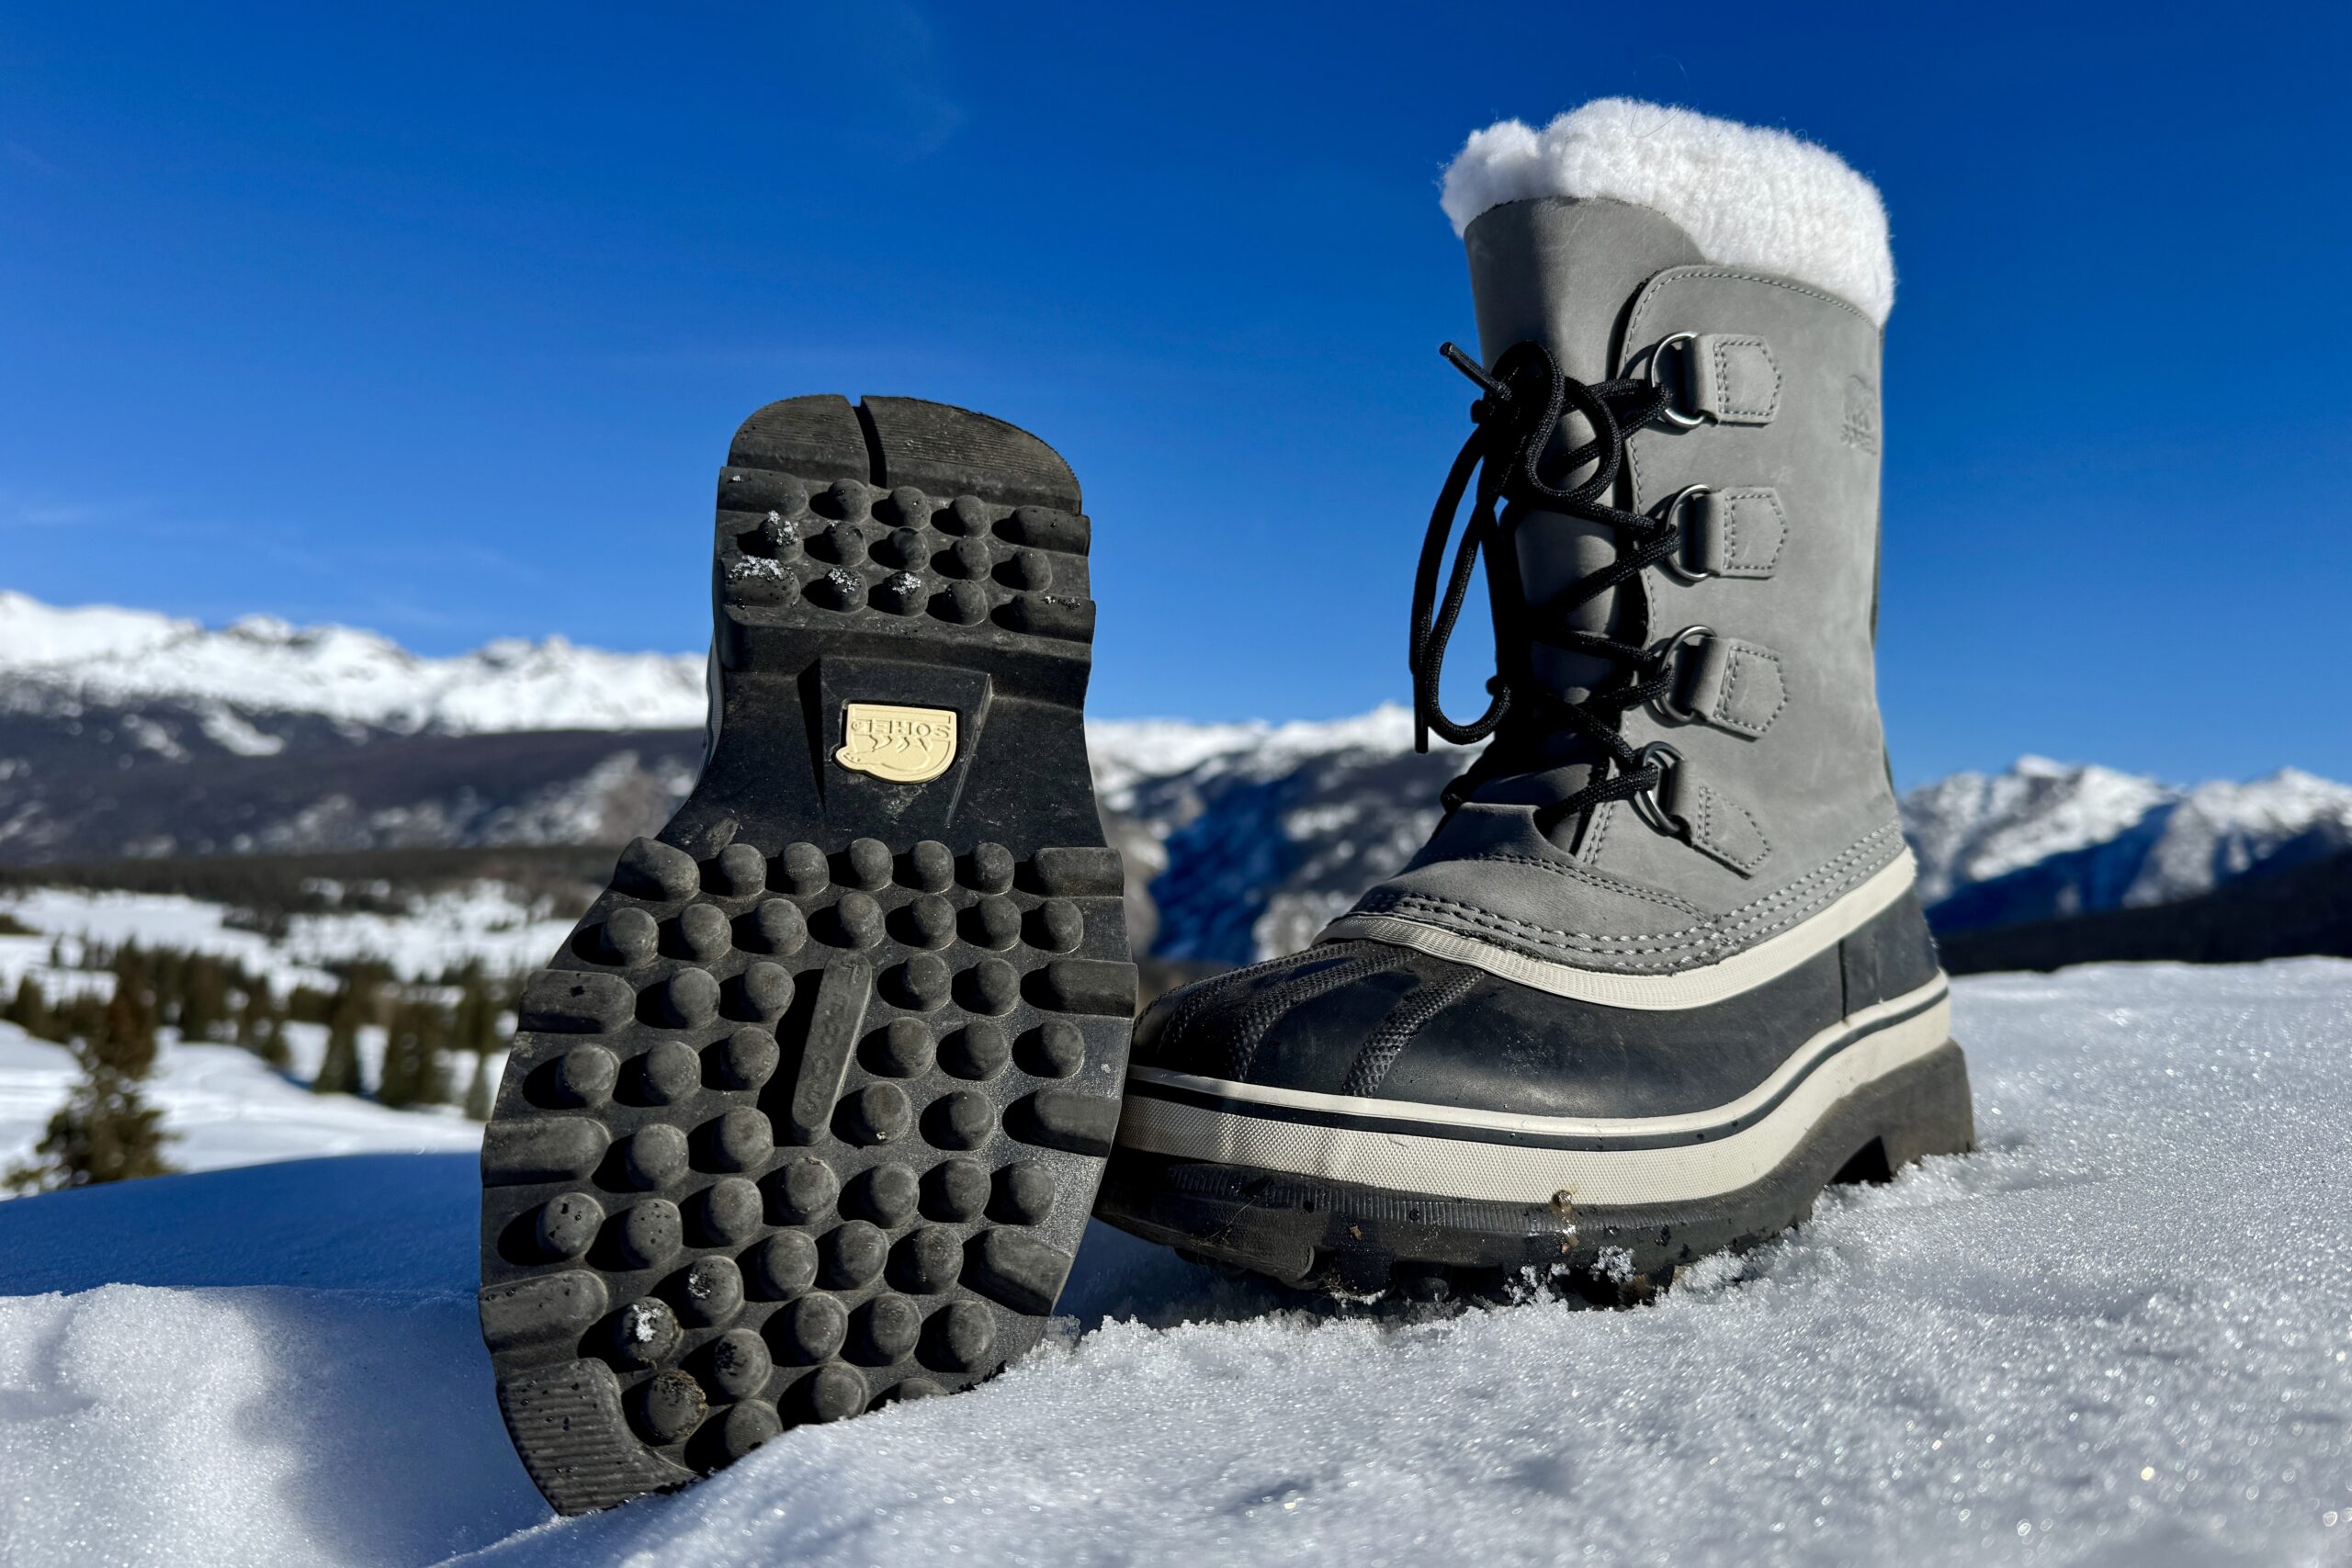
[902,745]
[1860,428]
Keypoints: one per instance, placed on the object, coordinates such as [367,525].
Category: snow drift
[2118,1335]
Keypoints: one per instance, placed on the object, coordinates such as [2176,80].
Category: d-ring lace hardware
[1661,660]
[1656,375]
[1677,565]
[1523,401]
[1664,763]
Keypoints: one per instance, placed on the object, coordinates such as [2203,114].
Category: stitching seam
[1770,498]
[1722,347]
[1748,914]
[1605,883]
[1791,902]
[1711,799]
[1727,704]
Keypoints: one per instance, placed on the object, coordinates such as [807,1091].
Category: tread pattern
[918,537]
[798,1123]
[753,1204]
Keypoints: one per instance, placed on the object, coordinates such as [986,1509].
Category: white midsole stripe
[1505,1124]
[1503,1173]
[1768,960]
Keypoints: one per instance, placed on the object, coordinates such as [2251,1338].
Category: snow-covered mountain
[63,661]
[124,732]
[1264,832]
[1267,833]
[2045,839]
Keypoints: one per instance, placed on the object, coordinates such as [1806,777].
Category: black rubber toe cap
[1299,1023]
[1371,1021]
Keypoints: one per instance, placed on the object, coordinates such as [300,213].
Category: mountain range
[125,733]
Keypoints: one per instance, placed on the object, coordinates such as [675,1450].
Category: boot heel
[1933,1113]
[907,529]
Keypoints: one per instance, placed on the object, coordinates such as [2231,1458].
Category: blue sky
[436,319]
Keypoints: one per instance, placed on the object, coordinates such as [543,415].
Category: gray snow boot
[1660,975]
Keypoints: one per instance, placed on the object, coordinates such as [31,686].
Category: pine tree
[204,999]
[167,976]
[415,1073]
[131,1013]
[404,1067]
[431,1044]
[339,1070]
[478,1088]
[272,1047]
[305,1005]
[29,1011]
[473,1030]
[474,1027]
[105,1130]
[254,1010]
[128,1030]
[79,1018]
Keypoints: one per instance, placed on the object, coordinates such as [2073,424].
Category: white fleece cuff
[1747,194]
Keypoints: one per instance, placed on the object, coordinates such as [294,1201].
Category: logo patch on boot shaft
[1860,428]
[902,745]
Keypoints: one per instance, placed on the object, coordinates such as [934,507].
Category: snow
[292,1373]
[1972,828]
[2139,841]
[226,1108]
[227,729]
[2162,842]
[484,921]
[152,920]
[33,634]
[2119,1334]
[2222,829]
[1127,751]
[102,655]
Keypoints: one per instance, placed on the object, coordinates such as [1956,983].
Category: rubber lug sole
[1357,1240]
[808,1112]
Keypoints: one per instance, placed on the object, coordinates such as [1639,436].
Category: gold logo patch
[902,745]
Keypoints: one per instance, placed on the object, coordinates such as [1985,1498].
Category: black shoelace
[1521,404]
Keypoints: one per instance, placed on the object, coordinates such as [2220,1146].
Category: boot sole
[808,1113]
[1308,1228]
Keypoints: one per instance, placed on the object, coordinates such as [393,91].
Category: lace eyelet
[1659,657]
[1670,515]
[1671,414]
[1646,803]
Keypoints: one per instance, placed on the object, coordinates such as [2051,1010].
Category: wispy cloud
[16,512]
[892,91]
[24,157]
[921,110]
[855,360]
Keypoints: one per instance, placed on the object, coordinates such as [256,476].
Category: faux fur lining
[1747,194]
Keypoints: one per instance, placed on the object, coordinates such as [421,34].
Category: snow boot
[808,1113]
[1659,975]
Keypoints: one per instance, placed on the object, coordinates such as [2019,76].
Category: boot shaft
[1747,274]
[1559,272]
[1771,438]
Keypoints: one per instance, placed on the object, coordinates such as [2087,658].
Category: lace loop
[1521,405]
